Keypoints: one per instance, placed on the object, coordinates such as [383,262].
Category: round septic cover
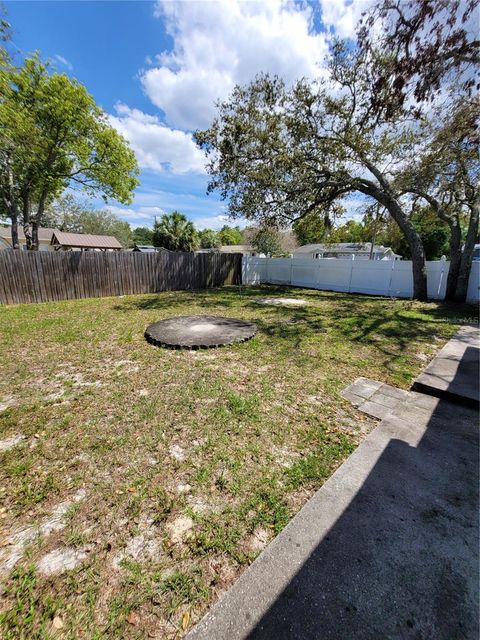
[199,332]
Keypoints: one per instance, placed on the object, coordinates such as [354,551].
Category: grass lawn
[145,479]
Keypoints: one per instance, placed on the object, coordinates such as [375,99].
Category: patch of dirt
[55,395]
[258,540]
[126,366]
[282,302]
[283,456]
[177,453]
[61,560]
[8,443]
[422,357]
[220,571]
[15,543]
[143,546]
[199,505]
[56,520]
[6,403]
[179,528]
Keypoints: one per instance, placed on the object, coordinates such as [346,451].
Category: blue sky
[158,67]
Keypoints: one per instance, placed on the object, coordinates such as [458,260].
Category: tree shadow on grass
[386,324]
[231,296]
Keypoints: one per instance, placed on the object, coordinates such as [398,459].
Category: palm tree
[175,232]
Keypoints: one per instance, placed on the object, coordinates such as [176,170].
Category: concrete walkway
[453,374]
[387,548]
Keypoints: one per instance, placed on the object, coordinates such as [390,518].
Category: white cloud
[213,222]
[219,44]
[156,146]
[342,16]
[148,203]
[63,61]
[141,216]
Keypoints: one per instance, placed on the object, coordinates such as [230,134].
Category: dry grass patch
[166,472]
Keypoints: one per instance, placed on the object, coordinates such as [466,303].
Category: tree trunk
[37,219]
[12,206]
[27,229]
[467,253]
[419,266]
[14,219]
[35,244]
[455,257]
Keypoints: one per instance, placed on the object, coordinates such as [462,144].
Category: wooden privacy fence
[31,276]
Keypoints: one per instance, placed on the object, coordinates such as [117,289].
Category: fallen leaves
[132,618]
[185,620]
[57,623]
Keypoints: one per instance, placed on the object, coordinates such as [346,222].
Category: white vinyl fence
[376,277]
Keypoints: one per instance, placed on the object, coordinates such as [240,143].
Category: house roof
[44,233]
[145,248]
[343,247]
[84,240]
[236,248]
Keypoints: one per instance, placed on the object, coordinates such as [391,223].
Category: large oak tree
[446,175]
[280,153]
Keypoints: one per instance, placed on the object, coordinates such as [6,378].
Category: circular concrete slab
[283,302]
[199,332]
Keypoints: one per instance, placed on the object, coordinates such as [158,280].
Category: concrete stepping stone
[375,398]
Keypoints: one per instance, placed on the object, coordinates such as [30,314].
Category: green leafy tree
[414,46]
[316,226]
[53,135]
[142,235]
[267,240]
[446,176]
[279,154]
[175,232]
[230,235]
[425,49]
[310,229]
[209,239]
[70,214]
[433,231]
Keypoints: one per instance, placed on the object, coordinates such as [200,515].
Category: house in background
[44,238]
[64,241]
[346,250]
[246,249]
[145,248]
[55,240]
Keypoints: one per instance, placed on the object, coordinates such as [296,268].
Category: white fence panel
[401,284]
[254,270]
[371,276]
[376,277]
[278,270]
[333,275]
[302,273]
[437,273]
[473,292]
